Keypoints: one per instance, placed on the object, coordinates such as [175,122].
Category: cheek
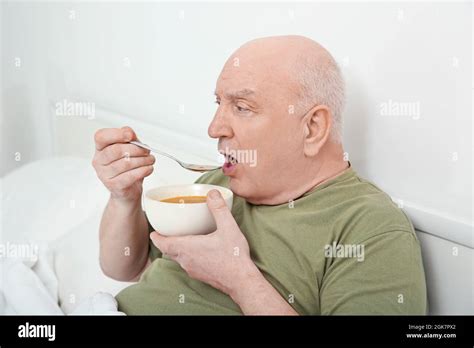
[276,152]
[271,142]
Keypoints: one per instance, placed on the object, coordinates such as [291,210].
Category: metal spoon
[194,167]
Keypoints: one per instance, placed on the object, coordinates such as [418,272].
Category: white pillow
[44,199]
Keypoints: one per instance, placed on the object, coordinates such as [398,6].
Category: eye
[218,102]
[242,109]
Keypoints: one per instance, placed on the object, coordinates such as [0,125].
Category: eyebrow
[238,94]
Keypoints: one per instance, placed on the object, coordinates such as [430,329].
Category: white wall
[390,52]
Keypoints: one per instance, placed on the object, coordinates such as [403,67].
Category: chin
[235,186]
[242,190]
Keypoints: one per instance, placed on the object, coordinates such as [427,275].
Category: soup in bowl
[180,210]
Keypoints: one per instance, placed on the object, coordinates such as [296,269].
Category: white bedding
[31,288]
[56,204]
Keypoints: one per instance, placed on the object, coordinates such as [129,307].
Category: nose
[220,127]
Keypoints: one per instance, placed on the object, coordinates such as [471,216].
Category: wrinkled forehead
[263,75]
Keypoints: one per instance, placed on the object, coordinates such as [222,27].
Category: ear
[317,125]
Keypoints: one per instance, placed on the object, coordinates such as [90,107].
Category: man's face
[258,122]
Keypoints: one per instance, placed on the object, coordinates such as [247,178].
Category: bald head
[307,69]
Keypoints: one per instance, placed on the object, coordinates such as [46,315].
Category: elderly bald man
[306,235]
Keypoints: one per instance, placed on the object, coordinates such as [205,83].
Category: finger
[219,210]
[115,152]
[125,164]
[107,136]
[127,179]
[168,245]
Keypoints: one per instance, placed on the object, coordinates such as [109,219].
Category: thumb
[219,210]
[129,133]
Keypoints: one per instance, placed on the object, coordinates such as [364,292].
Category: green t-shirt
[342,248]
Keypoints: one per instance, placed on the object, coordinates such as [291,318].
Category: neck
[327,165]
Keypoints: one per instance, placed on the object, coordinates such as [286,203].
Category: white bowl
[178,219]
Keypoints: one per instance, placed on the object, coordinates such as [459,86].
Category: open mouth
[229,159]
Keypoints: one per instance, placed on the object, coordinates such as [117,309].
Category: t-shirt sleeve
[388,279]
